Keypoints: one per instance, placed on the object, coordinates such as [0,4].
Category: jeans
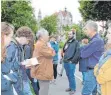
[35,85]
[83,75]
[70,70]
[27,89]
[90,85]
[18,86]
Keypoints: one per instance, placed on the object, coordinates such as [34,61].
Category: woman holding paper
[44,55]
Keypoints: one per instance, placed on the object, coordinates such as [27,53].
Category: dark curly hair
[25,31]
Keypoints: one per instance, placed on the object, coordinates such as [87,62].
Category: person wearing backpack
[71,56]
[15,55]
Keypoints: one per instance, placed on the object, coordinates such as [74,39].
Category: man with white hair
[93,51]
[44,53]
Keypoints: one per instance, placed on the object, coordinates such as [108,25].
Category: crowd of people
[92,54]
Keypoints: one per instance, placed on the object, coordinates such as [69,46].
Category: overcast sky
[49,7]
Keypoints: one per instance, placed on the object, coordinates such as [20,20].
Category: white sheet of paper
[32,61]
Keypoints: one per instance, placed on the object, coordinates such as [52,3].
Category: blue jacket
[55,46]
[6,85]
[83,62]
[15,56]
[93,51]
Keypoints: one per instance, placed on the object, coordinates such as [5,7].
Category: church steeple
[39,18]
[39,15]
[65,9]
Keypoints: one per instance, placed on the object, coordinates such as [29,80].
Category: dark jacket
[27,52]
[71,51]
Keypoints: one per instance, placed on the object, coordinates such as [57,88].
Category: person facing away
[102,70]
[55,46]
[16,56]
[83,62]
[92,52]
[44,54]
[71,55]
[8,78]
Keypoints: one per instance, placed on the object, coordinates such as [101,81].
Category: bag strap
[19,57]
[20,50]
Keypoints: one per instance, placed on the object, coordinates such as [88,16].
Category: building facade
[64,18]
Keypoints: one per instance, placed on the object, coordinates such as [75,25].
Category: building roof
[64,13]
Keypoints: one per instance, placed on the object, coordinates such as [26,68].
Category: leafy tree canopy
[19,13]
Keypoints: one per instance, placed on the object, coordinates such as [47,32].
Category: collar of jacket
[104,58]
[96,35]
[71,40]
[52,42]
[43,41]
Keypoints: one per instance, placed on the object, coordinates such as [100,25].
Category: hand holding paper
[30,62]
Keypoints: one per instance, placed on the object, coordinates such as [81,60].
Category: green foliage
[95,10]
[79,33]
[61,44]
[50,24]
[19,13]
[66,28]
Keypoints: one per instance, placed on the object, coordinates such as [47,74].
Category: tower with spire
[39,17]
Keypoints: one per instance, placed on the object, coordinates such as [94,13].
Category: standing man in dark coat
[71,55]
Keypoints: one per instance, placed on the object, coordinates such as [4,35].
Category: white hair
[41,33]
[109,27]
[91,24]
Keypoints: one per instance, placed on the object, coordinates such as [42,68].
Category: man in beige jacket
[44,54]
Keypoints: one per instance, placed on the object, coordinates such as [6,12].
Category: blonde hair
[6,29]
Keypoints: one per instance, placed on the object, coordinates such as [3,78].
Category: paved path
[62,84]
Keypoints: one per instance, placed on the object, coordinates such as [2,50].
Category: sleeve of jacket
[56,48]
[95,70]
[47,51]
[104,73]
[5,84]
[44,51]
[77,53]
[11,52]
[12,56]
[89,49]
[104,77]
[27,52]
